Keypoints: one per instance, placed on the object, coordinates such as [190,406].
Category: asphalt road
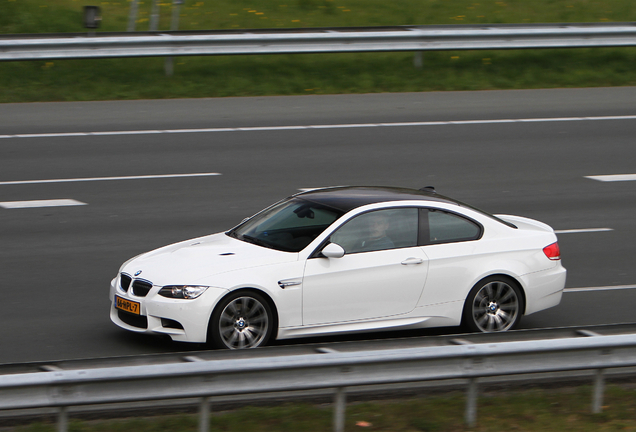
[57,262]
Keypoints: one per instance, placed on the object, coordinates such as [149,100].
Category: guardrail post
[418,60]
[154,16]
[204,415]
[62,420]
[340,405]
[471,402]
[599,390]
[132,16]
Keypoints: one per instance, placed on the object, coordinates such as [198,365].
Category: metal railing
[316,40]
[304,373]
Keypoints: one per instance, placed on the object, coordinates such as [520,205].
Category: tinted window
[289,225]
[378,230]
[446,227]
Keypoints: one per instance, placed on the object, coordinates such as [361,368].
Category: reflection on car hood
[191,261]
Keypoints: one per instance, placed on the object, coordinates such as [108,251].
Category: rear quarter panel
[454,268]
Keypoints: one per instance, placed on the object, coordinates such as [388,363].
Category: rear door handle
[411,261]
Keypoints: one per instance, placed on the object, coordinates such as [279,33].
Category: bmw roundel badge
[138,272]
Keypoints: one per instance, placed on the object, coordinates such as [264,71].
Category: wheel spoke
[488,291]
[232,340]
[509,293]
[250,336]
[257,309]
[497,322]
[241,340]
[481,320]
[505,317]
[510,306]
[231,309]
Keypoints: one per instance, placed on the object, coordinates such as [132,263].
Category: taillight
[552,252]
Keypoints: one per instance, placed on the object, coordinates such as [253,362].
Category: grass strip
[223,76]
[58,16]
[531,410]
[112,79]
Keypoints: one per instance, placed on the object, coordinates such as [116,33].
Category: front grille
[124,282]
[141,287]
[140,321]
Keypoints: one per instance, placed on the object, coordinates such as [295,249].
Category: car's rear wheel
[495,304]
[242,320]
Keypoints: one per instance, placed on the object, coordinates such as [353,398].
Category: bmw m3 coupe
[343,260]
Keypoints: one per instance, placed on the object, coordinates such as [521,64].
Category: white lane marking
[613,177]
[73,180]
[327,126]
[584,230]
[41,203]
[605,288]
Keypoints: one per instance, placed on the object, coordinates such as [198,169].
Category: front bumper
[182,320]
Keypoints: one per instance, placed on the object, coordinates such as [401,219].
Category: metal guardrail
[331,370]
[316,40]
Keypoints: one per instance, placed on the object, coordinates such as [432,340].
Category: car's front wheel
[494,304]
[241,320]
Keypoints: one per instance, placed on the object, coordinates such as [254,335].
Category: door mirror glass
[333,250]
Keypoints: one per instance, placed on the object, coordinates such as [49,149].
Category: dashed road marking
[601,288]
[613,177]
[41,203]
[89,179]
[307,127]
[584,230]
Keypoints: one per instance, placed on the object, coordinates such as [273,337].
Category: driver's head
[378,224]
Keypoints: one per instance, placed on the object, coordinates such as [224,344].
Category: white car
[341,260]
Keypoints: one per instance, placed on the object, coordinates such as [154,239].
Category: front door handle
[411,261]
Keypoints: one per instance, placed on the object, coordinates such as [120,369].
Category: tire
[495,304]
[241,320]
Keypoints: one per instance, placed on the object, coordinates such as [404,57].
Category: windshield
[289,225]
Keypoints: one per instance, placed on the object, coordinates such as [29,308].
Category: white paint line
[605,288]
[74,180]
[41,203]
[584,230]
[307,127]
[613,177]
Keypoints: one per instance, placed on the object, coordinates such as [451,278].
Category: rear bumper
[545,288]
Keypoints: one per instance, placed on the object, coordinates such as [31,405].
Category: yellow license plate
[127,305]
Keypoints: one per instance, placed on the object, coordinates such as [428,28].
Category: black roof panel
[346,198]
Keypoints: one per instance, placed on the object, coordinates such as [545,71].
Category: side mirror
[333,250]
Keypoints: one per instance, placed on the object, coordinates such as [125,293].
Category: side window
[379,230]
[445,227]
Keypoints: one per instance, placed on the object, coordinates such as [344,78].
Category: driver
[378,224]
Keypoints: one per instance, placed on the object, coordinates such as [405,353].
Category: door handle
[411,261]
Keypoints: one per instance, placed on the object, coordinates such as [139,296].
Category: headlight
[182,291]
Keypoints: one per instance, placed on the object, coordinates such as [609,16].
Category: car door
[381,274]
[449,241]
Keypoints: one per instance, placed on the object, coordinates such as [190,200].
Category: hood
[193,261]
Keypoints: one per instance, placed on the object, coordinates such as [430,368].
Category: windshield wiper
[256,241]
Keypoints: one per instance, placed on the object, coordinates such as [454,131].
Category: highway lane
[57,262]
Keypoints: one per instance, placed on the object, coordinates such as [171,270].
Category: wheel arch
[246,290]
[507,277]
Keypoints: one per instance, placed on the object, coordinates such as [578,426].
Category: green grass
[532,410]
[77,80]
[52,16]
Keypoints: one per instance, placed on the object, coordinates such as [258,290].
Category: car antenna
[428,189]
